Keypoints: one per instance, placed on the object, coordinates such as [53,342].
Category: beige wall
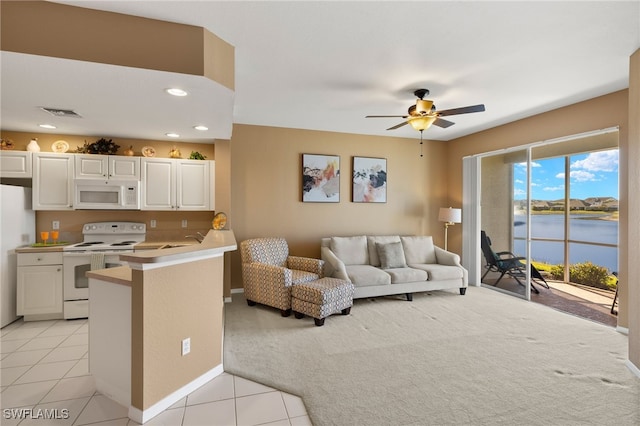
[496,200]
[176,302]
[266,189]
[62,31]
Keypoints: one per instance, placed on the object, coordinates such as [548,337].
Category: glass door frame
[471,206]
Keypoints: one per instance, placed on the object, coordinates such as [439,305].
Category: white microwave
[91,194]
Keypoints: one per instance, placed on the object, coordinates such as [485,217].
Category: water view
[592,227]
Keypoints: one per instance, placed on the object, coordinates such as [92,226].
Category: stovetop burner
[107,236]
[124,243]
[88,244]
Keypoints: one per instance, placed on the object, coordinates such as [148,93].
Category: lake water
[582,227]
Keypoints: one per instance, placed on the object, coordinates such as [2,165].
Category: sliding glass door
[550,207]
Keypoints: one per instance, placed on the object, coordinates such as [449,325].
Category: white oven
[75,266]
[101,248]
[92,194]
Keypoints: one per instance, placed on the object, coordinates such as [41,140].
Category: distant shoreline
[610,216]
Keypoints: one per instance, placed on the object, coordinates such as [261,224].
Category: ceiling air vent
[61,112]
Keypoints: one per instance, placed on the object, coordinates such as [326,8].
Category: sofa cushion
[367,275]
[372,240]
[391,255]
[351,250]
[419,250]
[439,272]
[406,275]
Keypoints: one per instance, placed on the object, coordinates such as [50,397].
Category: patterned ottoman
[322,298]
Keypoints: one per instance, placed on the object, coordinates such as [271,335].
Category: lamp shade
[422,122]
[450,215]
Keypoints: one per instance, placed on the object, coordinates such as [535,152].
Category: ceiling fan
[423,114]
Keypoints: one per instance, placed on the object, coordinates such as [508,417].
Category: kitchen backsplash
[168,224]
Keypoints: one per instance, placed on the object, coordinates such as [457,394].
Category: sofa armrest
[306,264]
[262,274]
[452,259]
[444,257]
[334,267]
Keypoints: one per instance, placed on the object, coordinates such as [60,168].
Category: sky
[592,175]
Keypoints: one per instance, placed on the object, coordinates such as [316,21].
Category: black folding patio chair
[506,263]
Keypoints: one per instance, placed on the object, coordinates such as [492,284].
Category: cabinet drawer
[26,259]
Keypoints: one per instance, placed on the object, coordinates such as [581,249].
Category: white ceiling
[325,65]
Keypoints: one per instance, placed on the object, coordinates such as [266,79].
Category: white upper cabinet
[96,166]
[170,184]
[53,181]
[15,164]
[194,185]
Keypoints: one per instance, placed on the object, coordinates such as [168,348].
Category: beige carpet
[444,359]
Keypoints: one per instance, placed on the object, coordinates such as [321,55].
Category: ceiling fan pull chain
[421,143]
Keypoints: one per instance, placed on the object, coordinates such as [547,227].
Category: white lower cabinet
[175,184]
[39,289]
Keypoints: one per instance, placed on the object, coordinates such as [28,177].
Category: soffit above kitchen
[325,65]
[115,82]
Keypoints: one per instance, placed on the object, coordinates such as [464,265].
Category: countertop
[43,249]
[146,245]
[214,243]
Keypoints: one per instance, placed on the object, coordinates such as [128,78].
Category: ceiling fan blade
[386,116]
[397,126]
[443,123]
[462,110]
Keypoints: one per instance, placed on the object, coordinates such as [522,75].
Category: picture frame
[320,178]
[369,180]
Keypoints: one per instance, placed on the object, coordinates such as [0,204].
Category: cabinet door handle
[58,270]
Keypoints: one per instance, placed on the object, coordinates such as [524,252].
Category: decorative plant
[101,146]
[195,155]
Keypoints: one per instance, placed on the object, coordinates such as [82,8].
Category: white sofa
[392,264]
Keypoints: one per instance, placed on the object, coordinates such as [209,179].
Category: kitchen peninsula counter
[141,314]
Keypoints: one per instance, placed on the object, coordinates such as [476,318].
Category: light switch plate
[184,223]
[55,224]
[186,346]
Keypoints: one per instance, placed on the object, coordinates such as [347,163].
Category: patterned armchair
[268,272]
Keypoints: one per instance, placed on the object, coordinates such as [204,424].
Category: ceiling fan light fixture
[423,107]
[422,123]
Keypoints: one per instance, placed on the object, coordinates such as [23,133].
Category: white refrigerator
[18,228]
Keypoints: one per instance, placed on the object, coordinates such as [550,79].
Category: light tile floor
[45,365]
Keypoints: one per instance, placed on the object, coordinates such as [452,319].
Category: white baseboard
[623,330]
[142,416]
[237,290]
[631,366]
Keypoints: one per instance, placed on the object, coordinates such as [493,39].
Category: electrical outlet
[152,223]
[186,346]
[184,223]
[55,224]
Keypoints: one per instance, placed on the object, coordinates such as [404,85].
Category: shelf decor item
[320,178]
[101,146]
[175,153]
[219,221]
[6,144]
[148,151]
[33,145]
[369,180]
[195,155]
[60,146]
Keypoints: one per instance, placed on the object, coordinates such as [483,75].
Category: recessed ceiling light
[172,135]
[176,92]
[47,126]
[202,128]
